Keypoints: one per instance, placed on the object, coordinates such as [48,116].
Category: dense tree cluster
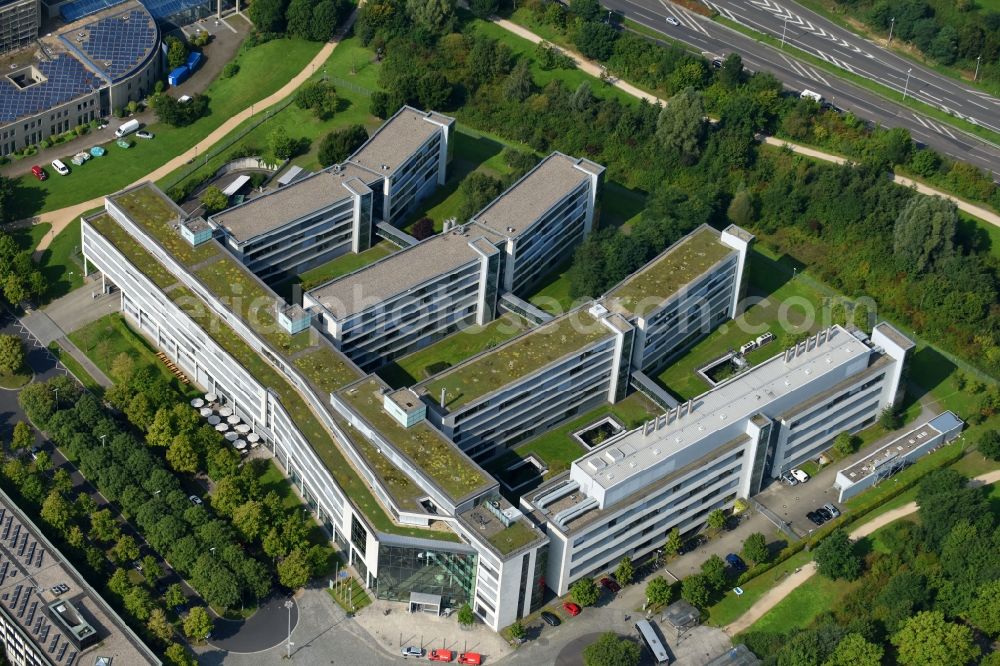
[338,145]
[178,114]
[930,597]
[20,278]
[315,20]
[318,96]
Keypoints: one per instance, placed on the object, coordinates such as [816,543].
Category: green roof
[667,274]
[425,447]
[519,534]
[134,252]
[321,366]
[158,215]
[516,358]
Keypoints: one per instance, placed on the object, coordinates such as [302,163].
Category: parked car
[834,511]
[691,544]
[550,619]
[826,515]
[610,585]
[571,608]
[672,21]
[716,63]
[194,499]
[60,168]
[471,658]
[799,475]
[137,565]
[440,655]
[815,518]
[412,651]
[143,134]
[39,172]
[736,563]
[788,479]
[34,451]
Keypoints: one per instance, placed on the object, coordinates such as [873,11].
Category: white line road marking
[819,77]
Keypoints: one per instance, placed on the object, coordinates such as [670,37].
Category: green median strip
[868,84]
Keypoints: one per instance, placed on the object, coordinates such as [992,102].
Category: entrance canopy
[425,603]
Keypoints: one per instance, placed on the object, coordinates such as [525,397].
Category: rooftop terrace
[286,204]
[668,273]
[517,358]
[396,140]
[446,465]
[505,539]
[395,274]
[514,211]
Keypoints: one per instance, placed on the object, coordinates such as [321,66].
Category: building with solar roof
[85,71]
[19,22]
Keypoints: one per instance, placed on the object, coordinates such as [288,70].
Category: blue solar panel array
[122,43]
[160,9]
[67,79]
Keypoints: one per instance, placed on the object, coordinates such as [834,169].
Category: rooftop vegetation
[157,215]
[664,276]
[519,534]
[134,252]
[326,369]
[453,472]
[517,358]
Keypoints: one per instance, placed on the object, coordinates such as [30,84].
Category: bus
[652,641]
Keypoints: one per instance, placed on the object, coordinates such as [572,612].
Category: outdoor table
[233,419]
[197,403]
[243,428]
[253,438]
[240,445]
[214,420]
[211,397]
[231,436]
[222,427]
[226,411]
[205,411]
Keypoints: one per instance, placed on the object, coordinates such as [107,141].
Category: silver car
[412,651]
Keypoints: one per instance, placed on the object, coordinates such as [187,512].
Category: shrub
[230,70]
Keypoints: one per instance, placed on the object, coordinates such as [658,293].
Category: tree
[927,639]
[319,96]
[138,602]
[213,199]
[741,209]
[197,624]
[625,571]
[989,444]
[516,631]
[437,16]
[182,456]
[422,228]
[924,233]
[280,144]
[177,52]
[151,568]
[584,592]
[890,419]
[268,15]
[680,127]
[484,8]
[695,590]
[731,72]
[716,520]
[596,40]
[845,444]
[433,90]
[755,548]
[659,592]
[298,18]
[176,655]
[610,650]
[294,570]
[125,549]
[586,10]
[103,527]
[327,15]
[338,146]
[174,596]
[478,189]
[23,437]
[11,354]
[118,582]
[466,618]
[177,114]
[159,625]
[835,557]
[984,611]
[56,511]
[672,546]
[713,570]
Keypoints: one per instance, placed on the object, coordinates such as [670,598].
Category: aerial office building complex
[393,474]
[622,498]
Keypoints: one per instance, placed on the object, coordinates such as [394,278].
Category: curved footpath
[594,70]
[60,219]
[785,587]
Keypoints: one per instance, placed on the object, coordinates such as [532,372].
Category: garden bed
[597,433]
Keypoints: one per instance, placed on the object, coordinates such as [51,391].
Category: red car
[440,655]
[610,585]
[473,658]
[39,172]
[571,608]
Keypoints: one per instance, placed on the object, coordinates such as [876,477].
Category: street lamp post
[103,437]
[892,24]
[289,605]
[906,87]
[57,396]
[784,27]
[976,76]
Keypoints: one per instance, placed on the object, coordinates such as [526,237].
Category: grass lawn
[731,607]
[343,265]
[454,349]
[557,448]
[15,380]
[74,366]
[349,595]
[263,70]
[62,263]
[798,609]
[103,340]
[553,295]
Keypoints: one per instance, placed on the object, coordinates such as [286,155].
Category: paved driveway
[263,630]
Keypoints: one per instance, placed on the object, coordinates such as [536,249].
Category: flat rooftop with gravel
[395,141]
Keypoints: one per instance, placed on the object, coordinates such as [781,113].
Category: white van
[814,96]
[127,128]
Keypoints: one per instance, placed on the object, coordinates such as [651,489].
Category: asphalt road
[714,39]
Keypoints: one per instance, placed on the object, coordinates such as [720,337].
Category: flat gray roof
[401,136]
[395,274]
[286,204]
[513,212]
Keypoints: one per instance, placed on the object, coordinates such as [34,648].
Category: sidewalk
[783,589]
[594,70]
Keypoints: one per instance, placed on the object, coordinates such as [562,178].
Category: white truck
[814,96]
[127,128]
